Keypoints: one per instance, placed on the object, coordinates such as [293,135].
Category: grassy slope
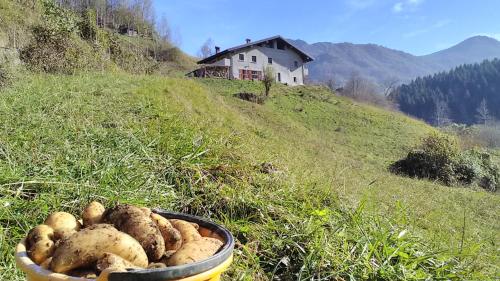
[190,146]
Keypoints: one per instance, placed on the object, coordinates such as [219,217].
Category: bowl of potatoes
[125,243]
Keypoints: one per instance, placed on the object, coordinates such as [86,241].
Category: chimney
[248,41]
[217,49]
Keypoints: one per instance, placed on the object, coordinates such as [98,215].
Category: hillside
[66,37]
[473,50]
[380,64]
[323,206]
[467,95]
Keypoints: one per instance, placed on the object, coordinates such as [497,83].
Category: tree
[441,113]
[483,114]
[332,84]
[363,90]
[164,30]
[390,85]
[206,49]
[268,79]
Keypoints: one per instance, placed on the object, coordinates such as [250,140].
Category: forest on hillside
[468,94]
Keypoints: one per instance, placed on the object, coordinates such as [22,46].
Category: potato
[40,232]
[194,251]
[156,265]
[46,263]
[109,260]
[62,220]
[104,276]
[41,251]
[187,230]
[63,234]
[171,236]
[147,211]
[83,273]
[205,232]
[92,214]
[133,221]
[84,248]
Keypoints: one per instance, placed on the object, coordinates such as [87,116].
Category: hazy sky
[415,26]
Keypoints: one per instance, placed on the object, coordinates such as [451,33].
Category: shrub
[56,46]
[439,158]
[476,168]
[59,53]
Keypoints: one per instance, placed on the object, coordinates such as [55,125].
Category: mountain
[467,94]
[380,64]
[474,49]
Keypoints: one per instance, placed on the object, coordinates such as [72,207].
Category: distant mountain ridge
[380,64]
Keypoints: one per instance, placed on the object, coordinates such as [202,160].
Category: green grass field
[328,211]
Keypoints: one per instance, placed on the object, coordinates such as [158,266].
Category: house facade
[248,62]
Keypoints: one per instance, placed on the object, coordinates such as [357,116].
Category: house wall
[283,63]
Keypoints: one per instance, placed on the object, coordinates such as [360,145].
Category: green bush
[476,168]
[56,46]
[60,53]
[440,158]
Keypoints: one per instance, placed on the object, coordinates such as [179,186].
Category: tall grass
[328,211]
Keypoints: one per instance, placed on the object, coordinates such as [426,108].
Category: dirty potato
[194,251]
[110,260]
[171,236]
[133,221]
[41,251]
[62,220]
[188,230]
[92,214]
[84,248]
[40,232]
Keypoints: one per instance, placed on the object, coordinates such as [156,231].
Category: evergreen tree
[468,94]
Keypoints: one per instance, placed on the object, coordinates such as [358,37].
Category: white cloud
[411,5]
[360,4]
[437,25]
[398,7]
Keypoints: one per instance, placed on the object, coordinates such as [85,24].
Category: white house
[248,61]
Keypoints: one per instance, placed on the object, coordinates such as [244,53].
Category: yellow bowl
[221,261]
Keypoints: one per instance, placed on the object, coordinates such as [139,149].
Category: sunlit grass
[330,210]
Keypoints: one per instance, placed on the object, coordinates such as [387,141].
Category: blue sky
[415,26]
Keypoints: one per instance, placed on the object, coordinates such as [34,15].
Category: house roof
[215,57]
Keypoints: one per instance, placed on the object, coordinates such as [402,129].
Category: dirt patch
[251,97]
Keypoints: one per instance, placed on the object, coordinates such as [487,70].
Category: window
[246,74]
[254,58]
[242,57]
[295,79]
[256,75]
[270,60]
[279,77]
[296,63]
[281,45]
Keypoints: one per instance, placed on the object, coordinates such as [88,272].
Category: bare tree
[390,85]
[332,84]
[441,113]
[268,80]
[364,90]
[483,113]
[207,48]
[164,30]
